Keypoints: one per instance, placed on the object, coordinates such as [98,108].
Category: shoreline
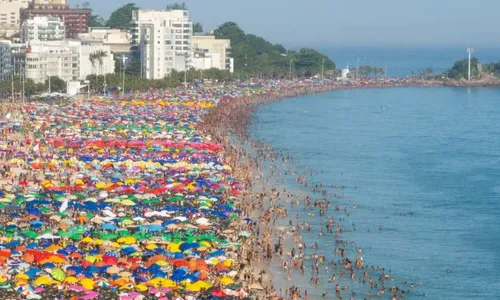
[102,148]
[237,116]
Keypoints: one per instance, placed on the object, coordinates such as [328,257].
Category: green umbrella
[123,232]
[30,233]
[45,209]
[76,237]
[58,274]
[108,236]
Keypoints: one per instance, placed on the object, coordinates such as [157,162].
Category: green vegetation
[461,68]
[114,81]
[30,87]
[197,27]
[254,55]
[177,5]
[492,68]
[122,17]
[370,71]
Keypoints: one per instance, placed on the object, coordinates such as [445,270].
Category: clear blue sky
[345,22]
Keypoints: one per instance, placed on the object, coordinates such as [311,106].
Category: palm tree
[92,58]
[100,54]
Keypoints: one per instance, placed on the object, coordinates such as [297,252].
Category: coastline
[234,118]
[251,175]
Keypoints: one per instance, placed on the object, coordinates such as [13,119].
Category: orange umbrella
[157,258]
[29,258]
[221,267]
[75,255]
[180,263]
[100,264]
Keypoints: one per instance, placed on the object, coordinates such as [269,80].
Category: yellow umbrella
[226,280]
[44,280]
[174,247]
[151,246]
[87,240]
[91,258]
[141,287]
[205,244]
[127,203]
[100,185]
[52,248]
[87,283]
[168,283]
[22,276]
[71,279]
[129,240]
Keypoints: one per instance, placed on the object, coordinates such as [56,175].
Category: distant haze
[348,22]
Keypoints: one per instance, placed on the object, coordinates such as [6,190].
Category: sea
[401,62]
[422,168]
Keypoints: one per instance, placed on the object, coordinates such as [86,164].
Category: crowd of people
[158,194]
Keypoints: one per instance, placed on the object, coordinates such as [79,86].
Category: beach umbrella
[58,274]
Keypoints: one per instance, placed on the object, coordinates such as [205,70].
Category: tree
[197,27]
[122,17]
[461,69]
[56,84]
[96,21]
[177,6]
[254,56]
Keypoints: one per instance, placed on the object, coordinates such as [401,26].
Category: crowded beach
[154,195]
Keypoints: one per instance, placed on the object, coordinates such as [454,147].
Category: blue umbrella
[109,226]
[32,272]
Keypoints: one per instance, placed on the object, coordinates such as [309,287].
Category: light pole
[124,58]
[24,78]
[470,50]
[323,69]
[357,69]
[290,72]
[50,91]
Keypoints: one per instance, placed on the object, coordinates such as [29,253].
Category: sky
[323,23]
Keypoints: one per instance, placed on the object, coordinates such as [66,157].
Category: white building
[102,66]
[118,40]
[68,60]
[9,16]
[164,39]
[45,28]
[51,58]
[210,52]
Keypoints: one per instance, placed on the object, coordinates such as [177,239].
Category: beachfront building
[9,16]
[100,65]
[5,60]
[51,58]
[164,38]
[75,20]
[210,52]
[45,28]
[118,40]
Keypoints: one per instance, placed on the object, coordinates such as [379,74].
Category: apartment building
[9,16]
[45,28]
[164,38]
[210,52]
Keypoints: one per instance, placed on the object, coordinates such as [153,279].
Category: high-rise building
[76,20]
[43,29]
[9,16]
[164,38]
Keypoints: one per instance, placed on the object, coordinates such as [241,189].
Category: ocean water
[404,61]
[422,164]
